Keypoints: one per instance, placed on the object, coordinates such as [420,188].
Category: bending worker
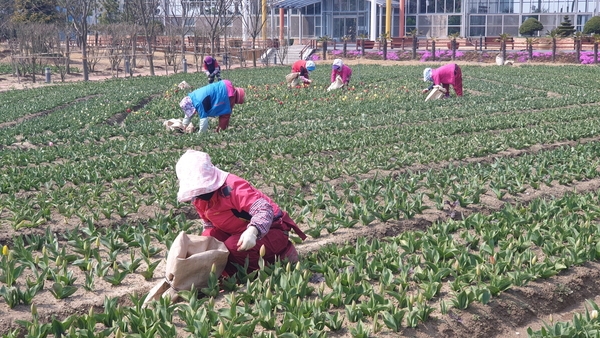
[304,68]
[340,69]
[211,69]
[444,76]
[215,99]
[235,213]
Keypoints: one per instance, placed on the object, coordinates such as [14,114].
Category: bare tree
[145,13]
[217,15]
[252,20]
[199,50]
[116,45]
[32,45]
[77,12]
[6,11]
[181,19]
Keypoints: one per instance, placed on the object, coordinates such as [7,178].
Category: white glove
[248,239]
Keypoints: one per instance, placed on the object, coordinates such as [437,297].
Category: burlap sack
[189,262]
[177,125]
[436,93]
[338,83]
[184,85]
[293,79]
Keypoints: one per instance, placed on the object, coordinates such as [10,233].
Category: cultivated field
[466,217]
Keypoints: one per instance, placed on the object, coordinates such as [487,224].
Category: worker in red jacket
[304,68]
[212,69]
[444,76]
[235,213]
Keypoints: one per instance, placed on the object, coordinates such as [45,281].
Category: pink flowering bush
[585,57]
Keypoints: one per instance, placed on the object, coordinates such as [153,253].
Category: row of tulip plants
[97,160]
[370,287]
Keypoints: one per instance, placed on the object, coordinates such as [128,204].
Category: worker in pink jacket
[444,76]
[339,68]
[235,213]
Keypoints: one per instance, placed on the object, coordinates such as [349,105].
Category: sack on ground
[177,125]
[184,85]
[436,93]
[293,79]
[338,83]
[189,262]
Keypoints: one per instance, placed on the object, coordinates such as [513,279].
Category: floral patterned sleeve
[262,216]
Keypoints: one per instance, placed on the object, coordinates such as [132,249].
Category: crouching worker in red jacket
[444,76]
[236,213]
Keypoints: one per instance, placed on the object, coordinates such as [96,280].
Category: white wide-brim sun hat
[197,175]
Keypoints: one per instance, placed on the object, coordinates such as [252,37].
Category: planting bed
[467,217]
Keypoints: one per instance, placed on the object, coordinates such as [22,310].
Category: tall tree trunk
[68,53]
[86,73]
[415,45]
[254,51]
[150,58]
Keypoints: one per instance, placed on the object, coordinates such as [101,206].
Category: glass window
[412,6]
[422,6]
[352,5]
[440,6]
[525,17]
[361,5]
[493,6]
[318,8]
[430,6]
[344,5]
[495,20]
[477,20]
[511,20]
[511,30]
[454,20]
[476,31]
[295,29]
[452,30]
[482,7]
[550,21]
[308,26]
[494,30]
[581,20]
[310,9]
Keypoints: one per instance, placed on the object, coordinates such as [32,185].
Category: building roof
[294,3]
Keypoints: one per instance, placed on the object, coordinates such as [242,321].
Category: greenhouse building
[338,19]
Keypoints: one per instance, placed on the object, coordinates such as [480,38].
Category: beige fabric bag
[436,93]
[337,84]
[189,262]
[177,125]
[293,79]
